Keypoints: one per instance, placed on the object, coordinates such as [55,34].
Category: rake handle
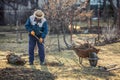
[36,37]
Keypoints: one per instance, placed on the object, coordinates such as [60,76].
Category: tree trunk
[115,11]
[64,38]
[58,38]
[118,4]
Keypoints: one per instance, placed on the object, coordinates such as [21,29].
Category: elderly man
[37,27]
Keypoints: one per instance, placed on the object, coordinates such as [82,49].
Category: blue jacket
[40,28]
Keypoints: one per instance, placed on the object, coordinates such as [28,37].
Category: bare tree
[115,7]
[62,13]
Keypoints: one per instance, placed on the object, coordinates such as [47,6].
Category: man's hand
[32,33]
[41,40]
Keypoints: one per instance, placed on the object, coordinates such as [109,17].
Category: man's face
[38,20]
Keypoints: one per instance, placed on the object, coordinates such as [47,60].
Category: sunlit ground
[63,65]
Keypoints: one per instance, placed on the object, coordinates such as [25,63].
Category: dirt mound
[15,59]
[24,74]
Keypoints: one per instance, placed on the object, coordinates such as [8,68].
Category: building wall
[22,13]
[10,16]
[1,14]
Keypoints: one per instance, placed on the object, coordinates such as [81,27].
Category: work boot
[42,63]
[31,63]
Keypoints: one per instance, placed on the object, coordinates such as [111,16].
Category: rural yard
[81,39]
[62,65]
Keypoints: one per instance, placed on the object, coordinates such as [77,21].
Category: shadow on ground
[24,74]
[97,72]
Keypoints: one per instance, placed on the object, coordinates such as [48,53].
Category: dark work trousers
[32,44]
